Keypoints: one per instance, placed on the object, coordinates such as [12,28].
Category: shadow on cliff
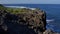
[10,21]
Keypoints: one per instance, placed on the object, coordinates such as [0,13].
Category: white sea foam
[16,6]
[21,7]
[49,20]
[32,8]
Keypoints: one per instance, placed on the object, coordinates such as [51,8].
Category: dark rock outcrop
[35,21]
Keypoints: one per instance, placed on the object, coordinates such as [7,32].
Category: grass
[16,10]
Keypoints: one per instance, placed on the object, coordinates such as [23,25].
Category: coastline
[38,19]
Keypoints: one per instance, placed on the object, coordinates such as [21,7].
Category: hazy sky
[30,1]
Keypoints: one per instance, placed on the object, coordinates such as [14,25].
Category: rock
[36,21]
[49,31]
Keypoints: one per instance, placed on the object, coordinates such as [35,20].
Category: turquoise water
[52,11]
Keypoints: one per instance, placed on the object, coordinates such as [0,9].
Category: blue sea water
[52,11]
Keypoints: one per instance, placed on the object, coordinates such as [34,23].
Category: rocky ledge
[23,21]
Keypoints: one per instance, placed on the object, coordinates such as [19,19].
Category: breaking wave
[49,20]
[21,7]
[50,26]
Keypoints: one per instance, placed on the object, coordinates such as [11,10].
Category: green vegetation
[2,7]
[16,10]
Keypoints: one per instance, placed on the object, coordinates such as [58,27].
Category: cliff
[23,21]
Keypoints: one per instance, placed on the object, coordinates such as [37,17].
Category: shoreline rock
[49,31]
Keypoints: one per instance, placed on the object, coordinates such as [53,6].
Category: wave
[16,6]
[50,26]
[21,7]
[49,20]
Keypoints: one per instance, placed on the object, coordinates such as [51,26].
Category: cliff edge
[22,21]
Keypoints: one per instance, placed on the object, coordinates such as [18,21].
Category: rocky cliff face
[31,22]
[35,21]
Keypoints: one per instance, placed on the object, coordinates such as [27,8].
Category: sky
[29,1]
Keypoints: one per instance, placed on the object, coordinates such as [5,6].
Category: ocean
[52,13]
